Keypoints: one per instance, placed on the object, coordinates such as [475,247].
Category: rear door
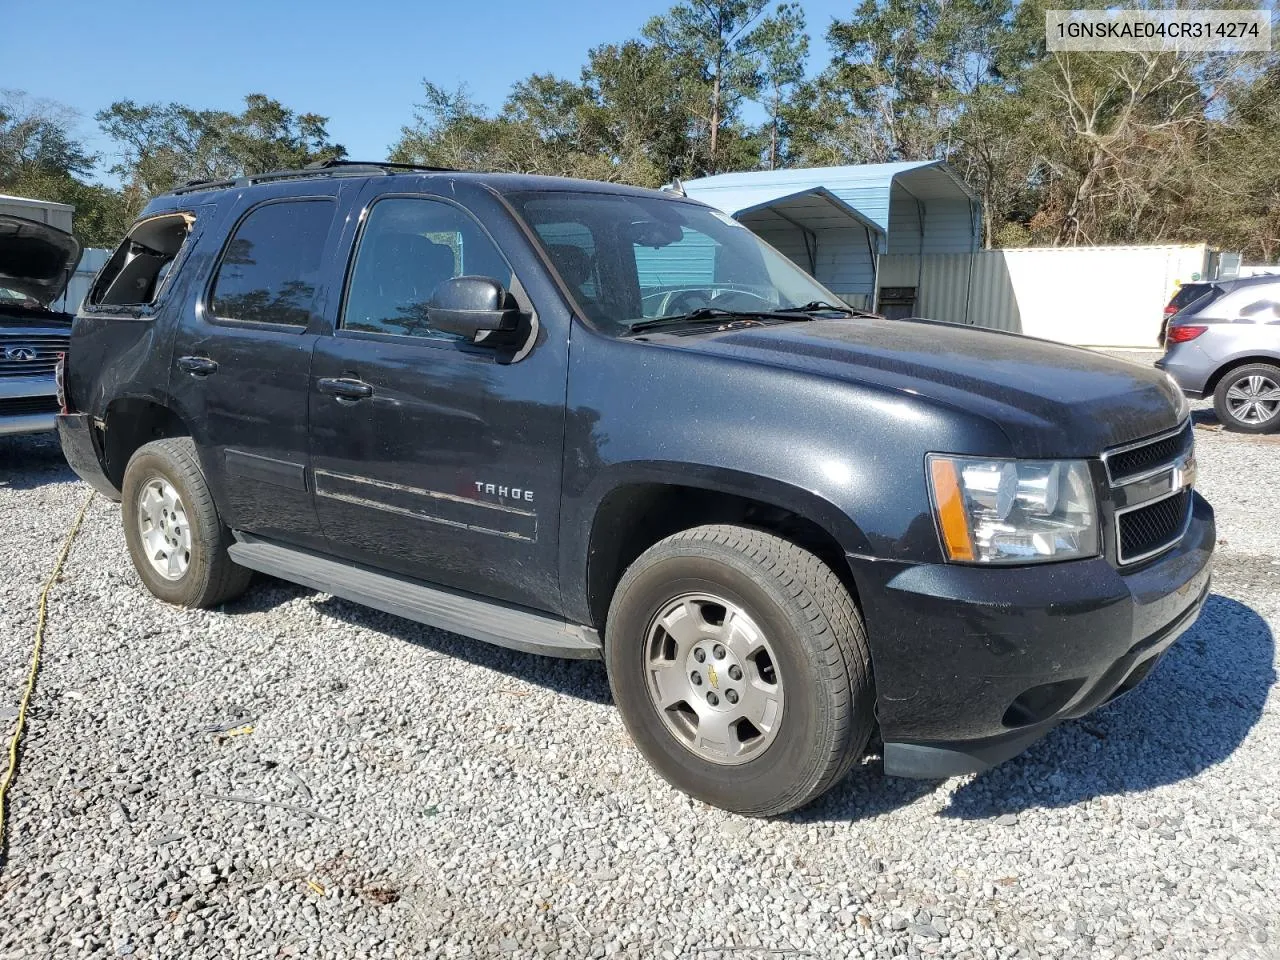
[241,361]
[432,456]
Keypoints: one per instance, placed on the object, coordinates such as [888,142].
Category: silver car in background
[1226,344]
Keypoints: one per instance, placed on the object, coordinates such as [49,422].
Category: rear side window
[270,267]
[137,273]
[1201,298]
[1189,292]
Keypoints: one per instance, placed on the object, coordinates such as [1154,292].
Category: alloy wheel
[713,678]
[1254,399]
[166,534]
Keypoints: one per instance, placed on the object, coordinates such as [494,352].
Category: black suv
[455,397]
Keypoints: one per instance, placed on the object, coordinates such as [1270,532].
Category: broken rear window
[137,272]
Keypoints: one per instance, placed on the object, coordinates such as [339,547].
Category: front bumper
[973,664]
[19,398]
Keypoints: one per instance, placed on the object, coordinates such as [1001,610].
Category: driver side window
[410,246]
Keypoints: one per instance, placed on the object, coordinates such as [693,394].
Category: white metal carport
[910,208]
[815,229]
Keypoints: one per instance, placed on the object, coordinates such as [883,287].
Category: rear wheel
[1248,398]
[741,668]
[176,539]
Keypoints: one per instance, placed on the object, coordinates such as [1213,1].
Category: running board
[487,620]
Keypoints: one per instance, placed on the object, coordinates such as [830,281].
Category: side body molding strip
[502,624]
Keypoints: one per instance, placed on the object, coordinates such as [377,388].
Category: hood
[36,259]
[1050,400]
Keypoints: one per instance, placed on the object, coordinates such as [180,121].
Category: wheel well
[635,517]
[128,425]
[1212,384]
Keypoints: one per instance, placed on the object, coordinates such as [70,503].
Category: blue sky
[360,64]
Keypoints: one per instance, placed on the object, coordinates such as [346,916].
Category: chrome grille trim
[1125,560]
[1128,478]
[1182,455]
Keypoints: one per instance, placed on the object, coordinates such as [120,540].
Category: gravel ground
[444,798]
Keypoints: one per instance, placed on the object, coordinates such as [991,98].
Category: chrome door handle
[344,388]
[198,366]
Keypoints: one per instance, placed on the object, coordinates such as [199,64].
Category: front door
[240,367]
[432,456]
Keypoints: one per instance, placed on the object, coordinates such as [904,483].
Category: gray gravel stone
[488,803]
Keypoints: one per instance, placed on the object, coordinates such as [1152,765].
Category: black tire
[210,577]
[817,636]
[1221,407]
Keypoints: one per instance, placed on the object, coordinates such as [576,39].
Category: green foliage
[165,145]
[1059,148]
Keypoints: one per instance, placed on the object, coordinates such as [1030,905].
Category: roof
[865,187]
[358,169]
[814,206]
[28,202]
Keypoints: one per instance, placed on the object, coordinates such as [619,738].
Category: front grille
[1148,529]
[24,406]
[43,348]
[1127,463]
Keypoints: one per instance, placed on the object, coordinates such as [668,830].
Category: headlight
[1184,408]
[1013,511]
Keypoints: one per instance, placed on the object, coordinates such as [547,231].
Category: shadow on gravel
[32,461]
[1205,416]
[584,679]
[1190,714]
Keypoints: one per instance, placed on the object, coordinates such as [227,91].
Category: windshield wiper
[819,306]
[711,315]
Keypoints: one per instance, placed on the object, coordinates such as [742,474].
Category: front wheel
[741,668]
[176,539]
[1248,398]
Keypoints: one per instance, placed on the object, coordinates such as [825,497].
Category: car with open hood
[36,263]
[588,420]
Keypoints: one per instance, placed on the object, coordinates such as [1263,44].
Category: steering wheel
[741,300]
[688,301]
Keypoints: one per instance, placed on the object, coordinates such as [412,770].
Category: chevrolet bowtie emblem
[712,678]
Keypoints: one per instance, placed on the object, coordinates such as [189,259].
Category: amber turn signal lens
[952,517]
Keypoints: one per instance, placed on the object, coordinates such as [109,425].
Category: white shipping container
[41,211]
[1088,296]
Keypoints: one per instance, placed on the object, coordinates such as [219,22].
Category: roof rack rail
[323,168]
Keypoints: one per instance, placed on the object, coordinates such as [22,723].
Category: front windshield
[627,259]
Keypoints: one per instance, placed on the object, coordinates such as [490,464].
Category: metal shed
[42,211]
[837,222]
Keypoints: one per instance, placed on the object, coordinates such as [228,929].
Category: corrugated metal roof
[865,187]
[814,206]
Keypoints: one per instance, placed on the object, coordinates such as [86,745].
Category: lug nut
[700,655]
[712,698]
[731,696]
[718,652]
[735,672]
[695,678]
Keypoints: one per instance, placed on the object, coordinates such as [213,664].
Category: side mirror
[472,307]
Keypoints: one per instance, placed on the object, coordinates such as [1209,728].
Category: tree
[162,146]
[41,157]
[37,135]
[902,70]
[784,51]
[716,48]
